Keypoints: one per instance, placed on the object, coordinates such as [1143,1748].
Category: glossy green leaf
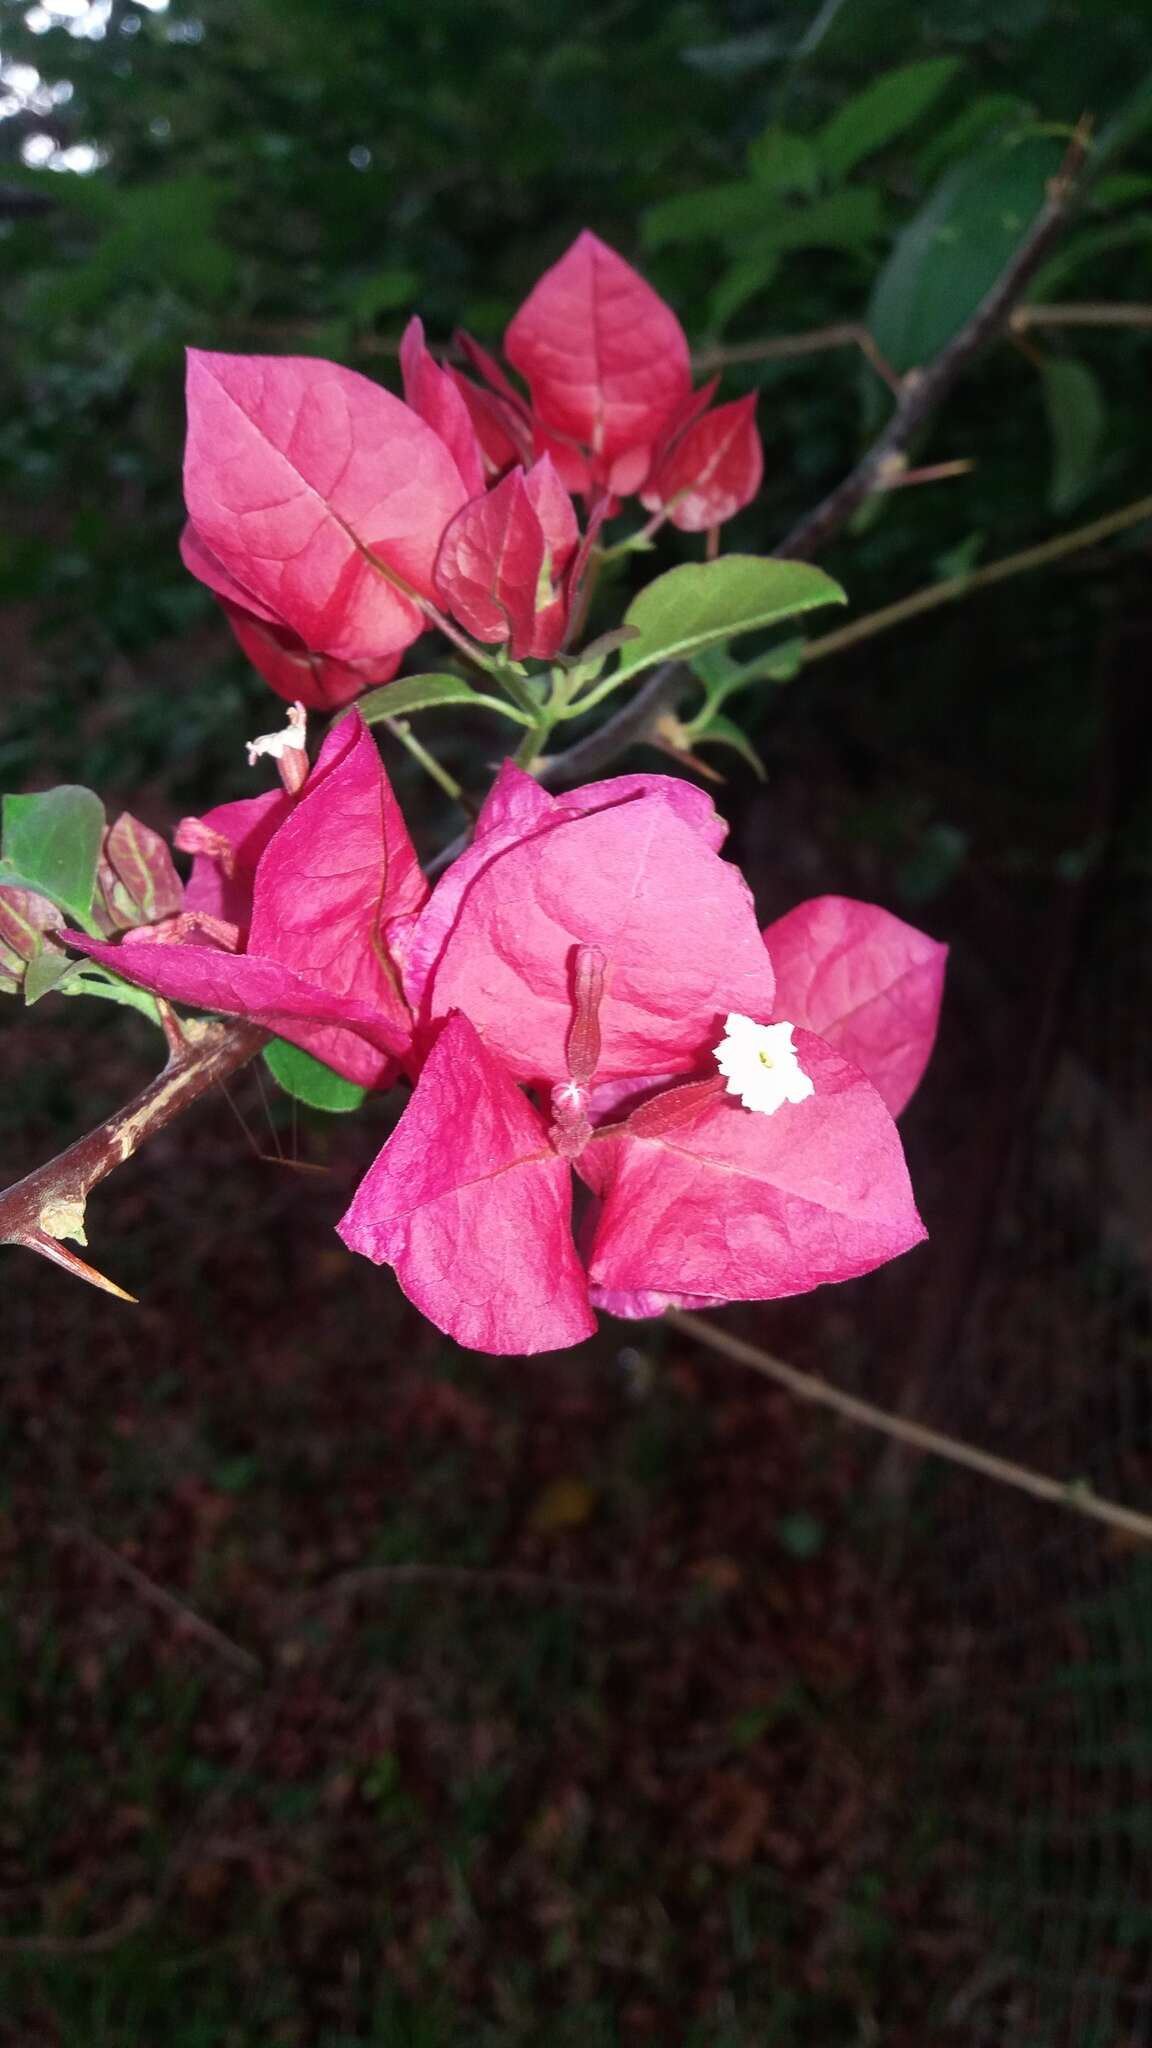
[882,112]
[1075,406]
[701,604]
[51,842]
[420,693]
[309,1080]
[955,248]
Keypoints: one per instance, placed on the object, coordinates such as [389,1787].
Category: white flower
[276,744]
[760,1065]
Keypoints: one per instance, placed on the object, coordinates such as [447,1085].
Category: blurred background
[660,1710]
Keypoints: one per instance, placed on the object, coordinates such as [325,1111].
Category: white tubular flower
[277,744]
[759,1064]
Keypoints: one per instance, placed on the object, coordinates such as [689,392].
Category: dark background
[773,1735]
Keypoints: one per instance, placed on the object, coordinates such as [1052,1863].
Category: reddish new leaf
[870,984]
[471,1206]
[713,470]
[744,1206]
[24,919]
[320,494]
[142,866]
[605,359]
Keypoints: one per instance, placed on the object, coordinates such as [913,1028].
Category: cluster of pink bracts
[327,514]
[557,1000]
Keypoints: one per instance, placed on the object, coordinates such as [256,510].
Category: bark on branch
[48,1205]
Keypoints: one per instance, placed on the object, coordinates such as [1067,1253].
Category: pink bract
[471,1205]
[592,946]
[867,982]
[502,562]
[321,497]
[712,471]
[314,968]
[605,359]
[677,925]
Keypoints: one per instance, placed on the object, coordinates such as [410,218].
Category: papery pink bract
[676,924]
[278,654]
[298,675]
[436,397]
[320,495]
[714,469]
[472,1206]
[868,983]
[222,879]
[741,1206]
[605,359]
[315,969]
[500,569]
[516,808]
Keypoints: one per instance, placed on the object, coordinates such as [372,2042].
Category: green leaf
[1075,406]
[780,162]
[419,693]
[710,214]
[955,248]
[724,732]
[981,118]
[703,603]
[45,971]
[309,1080]
[722,677]
[884,110]
[51,842]
[745,280]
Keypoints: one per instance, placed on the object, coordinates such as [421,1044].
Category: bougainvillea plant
[621,1092]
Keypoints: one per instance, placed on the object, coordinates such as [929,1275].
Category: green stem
[401,730]
[113,990]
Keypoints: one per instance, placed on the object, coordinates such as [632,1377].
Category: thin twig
[185,1617]
[924,390]
[1074,1494]
[776,348]
[956,587]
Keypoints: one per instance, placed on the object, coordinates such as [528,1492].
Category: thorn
[173,1031]
[51,1248]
